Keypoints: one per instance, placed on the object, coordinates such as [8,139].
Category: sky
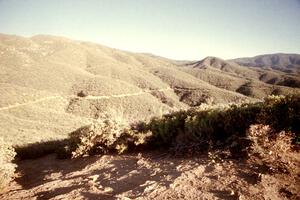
[177,29]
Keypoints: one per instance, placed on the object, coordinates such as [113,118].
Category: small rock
[108,189]
[94,178]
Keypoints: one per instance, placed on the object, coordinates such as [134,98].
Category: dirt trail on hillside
[29,102]
[87,97]
[144,176]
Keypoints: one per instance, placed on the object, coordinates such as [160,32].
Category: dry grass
[43,67]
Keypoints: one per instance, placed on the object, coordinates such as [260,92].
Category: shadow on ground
[97,176]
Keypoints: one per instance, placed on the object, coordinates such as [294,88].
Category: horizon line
[140,52]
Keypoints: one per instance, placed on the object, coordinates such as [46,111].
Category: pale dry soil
[147,176]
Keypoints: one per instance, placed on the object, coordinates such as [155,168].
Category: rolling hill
[289,63]
[282,69]
[251,81]
[52,85]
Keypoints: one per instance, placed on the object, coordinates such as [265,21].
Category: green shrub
[102,137]
[201,127]
[7,168]
[217,125]
[166,128]
[282,113]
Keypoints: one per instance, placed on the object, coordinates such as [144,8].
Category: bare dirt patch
[150,175]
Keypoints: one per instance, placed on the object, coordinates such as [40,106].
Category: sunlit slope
[42,76]
[250,81]
[52,85]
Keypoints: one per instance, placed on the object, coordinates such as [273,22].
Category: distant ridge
[288,63]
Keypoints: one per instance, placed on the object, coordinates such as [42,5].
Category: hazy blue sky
[181,29]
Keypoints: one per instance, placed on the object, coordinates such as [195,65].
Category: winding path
[87,97]
[30,102]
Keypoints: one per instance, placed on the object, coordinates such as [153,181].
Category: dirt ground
[149,175]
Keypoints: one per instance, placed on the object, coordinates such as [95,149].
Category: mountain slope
[284,69]
[250,81]
[288,63]
[51,86]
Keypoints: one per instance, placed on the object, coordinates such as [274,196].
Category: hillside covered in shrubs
[197,129]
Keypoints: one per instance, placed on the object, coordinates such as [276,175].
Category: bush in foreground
[198,128]
[221,125]
[273,149]
[201,127]
[7,168]
[102,137]
[281,113]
